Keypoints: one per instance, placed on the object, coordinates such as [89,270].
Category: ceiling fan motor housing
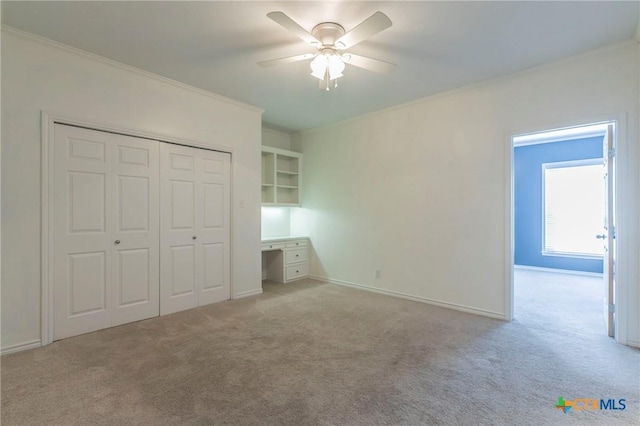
[328,33]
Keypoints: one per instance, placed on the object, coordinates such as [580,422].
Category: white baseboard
[426,300]
[557,271]
[633,343]
[21,347]
[248,293]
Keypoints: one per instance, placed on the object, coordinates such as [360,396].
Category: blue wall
[528,200]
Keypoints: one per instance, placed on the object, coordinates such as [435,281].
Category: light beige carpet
[309,353]
[556,301]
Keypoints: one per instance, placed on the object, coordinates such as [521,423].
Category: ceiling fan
[331,40]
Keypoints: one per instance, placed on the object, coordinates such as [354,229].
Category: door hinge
[612,152]
[612,308]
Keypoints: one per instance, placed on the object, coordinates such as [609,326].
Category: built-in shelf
[281,177]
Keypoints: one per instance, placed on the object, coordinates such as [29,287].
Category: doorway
[562,269]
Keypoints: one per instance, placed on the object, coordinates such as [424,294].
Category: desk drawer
[297,243]
[296,255]
[272,246]
[297,271]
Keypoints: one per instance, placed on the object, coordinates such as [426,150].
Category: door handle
[601,237]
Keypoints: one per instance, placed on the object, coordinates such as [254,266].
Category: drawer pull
[270,246]
[297,255]
[297,271]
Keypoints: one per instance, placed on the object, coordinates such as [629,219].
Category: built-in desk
[285,259]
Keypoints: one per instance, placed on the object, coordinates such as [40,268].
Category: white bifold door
[195,227]
[141,228]
[106,230]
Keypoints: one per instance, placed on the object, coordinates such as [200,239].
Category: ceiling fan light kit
[330,38]
[328,68]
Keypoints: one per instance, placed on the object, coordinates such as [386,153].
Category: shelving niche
[281,177]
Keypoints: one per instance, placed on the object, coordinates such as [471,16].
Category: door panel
[133,203]
[87,283]
[136,238]
[178,266]
[194,227]
[82,226]
[83,148]
[182,205]
[213,167]
[214,233]
[214,270]
[133,278]
[87,198]
[133,156]
[184,162]
[214,205]
[183,279]
[106,224]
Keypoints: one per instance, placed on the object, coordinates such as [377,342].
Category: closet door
[106,255]
[177,228]
[82,235]
[194,237]
[136,234]
[214,230]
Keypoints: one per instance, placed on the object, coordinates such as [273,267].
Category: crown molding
[276,129]
[461,89]
[129,68]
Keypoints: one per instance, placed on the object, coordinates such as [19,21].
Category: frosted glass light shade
[323,63]
[319,66]
[336,66]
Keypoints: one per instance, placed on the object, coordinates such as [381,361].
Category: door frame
[622,242]
[48,121]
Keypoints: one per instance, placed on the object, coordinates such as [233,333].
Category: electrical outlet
[378,273]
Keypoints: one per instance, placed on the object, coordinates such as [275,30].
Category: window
[573,208]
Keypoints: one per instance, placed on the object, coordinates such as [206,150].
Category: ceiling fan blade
[375,65]
[286,60]
[291,25]
[370,26]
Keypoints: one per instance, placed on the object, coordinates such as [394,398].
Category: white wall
[419,191]
[276,139]
[276,222]
[39,77]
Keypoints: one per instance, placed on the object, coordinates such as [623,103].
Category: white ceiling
[438,46]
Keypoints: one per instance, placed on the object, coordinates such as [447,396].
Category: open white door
[609,232]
